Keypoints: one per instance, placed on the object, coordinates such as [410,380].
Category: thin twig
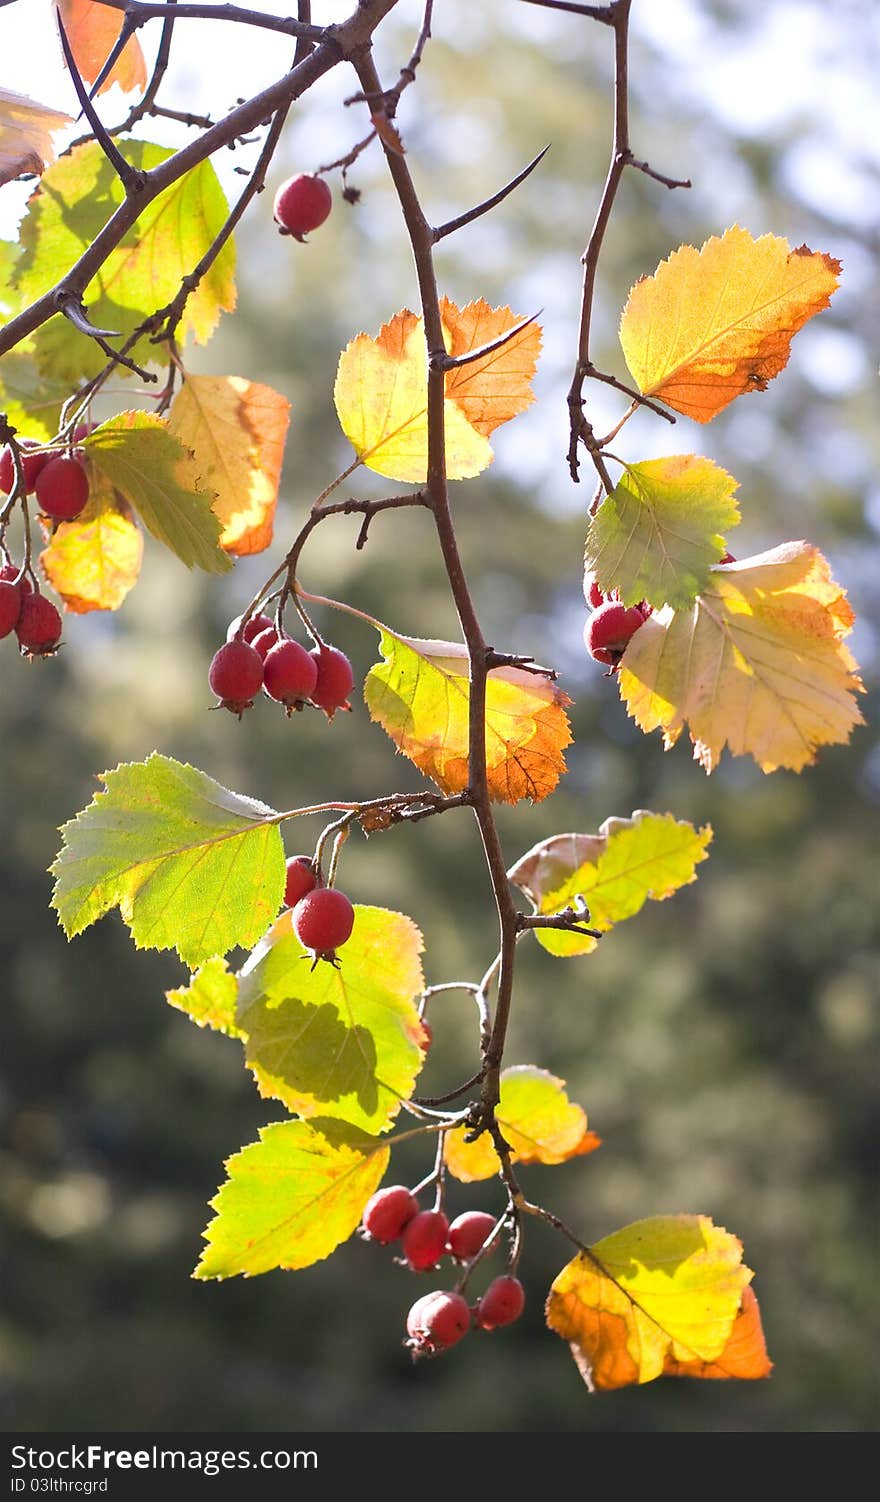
[452,362]
[461,220]
[131,179]
[604,13]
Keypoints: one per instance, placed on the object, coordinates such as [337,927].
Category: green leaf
[31,399]
[72,204]
[539,1123]
[292,1198]
[343,1041]
[613,872]
[149,466]
[658,533]
[190,865]
[210,998]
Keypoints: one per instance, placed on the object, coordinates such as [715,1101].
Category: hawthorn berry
[388,1213]
[468,1232]
[301,878]
[10,606]
[39,625]
[31,464]
[265,641]
[592,593]
[437,1321]
[501,1304]
[323,921]
[301,204]
[236,675]
[334,679]
[254,626]
[424,1240]
[609,629]
[62,488]
[289,673]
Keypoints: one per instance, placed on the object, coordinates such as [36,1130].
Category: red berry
[62,489]
[32,464]
[10,606]
[388,1212]
[468,1232]
[501,1304]
[301,204]
[289,673]
[82,431]
[728,558]
[39,625]
[254,626]
[424,1240]
[236,675]
[592,593]
[609,629]
[267,639]
[437,1321]
[335,680]
[301,879]
[323,920]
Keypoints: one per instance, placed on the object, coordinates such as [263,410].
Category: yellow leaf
[236,431]
[758,663]
[493,389]
[539,1123]
[94,561]
[92,30]
[663,1295]
[713,323]
[26,129]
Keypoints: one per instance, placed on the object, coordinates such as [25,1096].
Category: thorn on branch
[442,360]
[73,310]
[131,179]
[517,660]
[452,225]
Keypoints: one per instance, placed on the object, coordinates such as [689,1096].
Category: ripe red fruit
[236,675]
[592,593]
[301,204]
[468,1232]
[335,680]
[266,640]
[254,626]
[301,879]
[609,629]
[9,574]
[289,673]
[62,488]
[39,625]
[32,464]
[437,1321]
[323,920]
[501,1304]
[10,606]
[388,1212]
[424,1240]
[728,558]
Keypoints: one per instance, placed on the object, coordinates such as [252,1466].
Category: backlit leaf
[26,130]
[539,1123]
[92,30]
[94,561]
[663,1295]
[190,865]
[419,695]
[151,469]
[758,663]
[496,387]
[658,533]
[210,998]
[292,1198]
[235,430]
[713,323]
[330,1041]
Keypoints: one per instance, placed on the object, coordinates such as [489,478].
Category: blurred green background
[725,1044]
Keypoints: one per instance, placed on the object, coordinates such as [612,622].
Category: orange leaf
[92,30]
[94,561]
[714,323]
[493,389]
[745,1354]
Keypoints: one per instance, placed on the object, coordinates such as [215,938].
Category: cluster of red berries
[611,625]
[439,1319]
[59,481]
[34,619]
[323,917]
[259,656]
[301,205]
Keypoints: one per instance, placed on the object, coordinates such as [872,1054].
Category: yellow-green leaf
[658,533]
[612,873]
[292,1198]
[210,998]
[758,663]
[540,1125]
[663,1294]
[331,1041]
[94,561]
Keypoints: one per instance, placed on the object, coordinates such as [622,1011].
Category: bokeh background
[725,1044]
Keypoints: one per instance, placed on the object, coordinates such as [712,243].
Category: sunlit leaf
[343,1041]
[92,31]
[292,1198]
[540,1125]
[658,533]
[613,872]
[151,469]
[94,561]
[31,399]
[497,386]
[758,663]
[26,130]
[190,865]
[714,323]
[662,1295]
[235,430]
[210,998]
[745,1354]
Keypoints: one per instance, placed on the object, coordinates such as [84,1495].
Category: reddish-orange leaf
[745,1354]
[92,30]
[493,389]
[94,561]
